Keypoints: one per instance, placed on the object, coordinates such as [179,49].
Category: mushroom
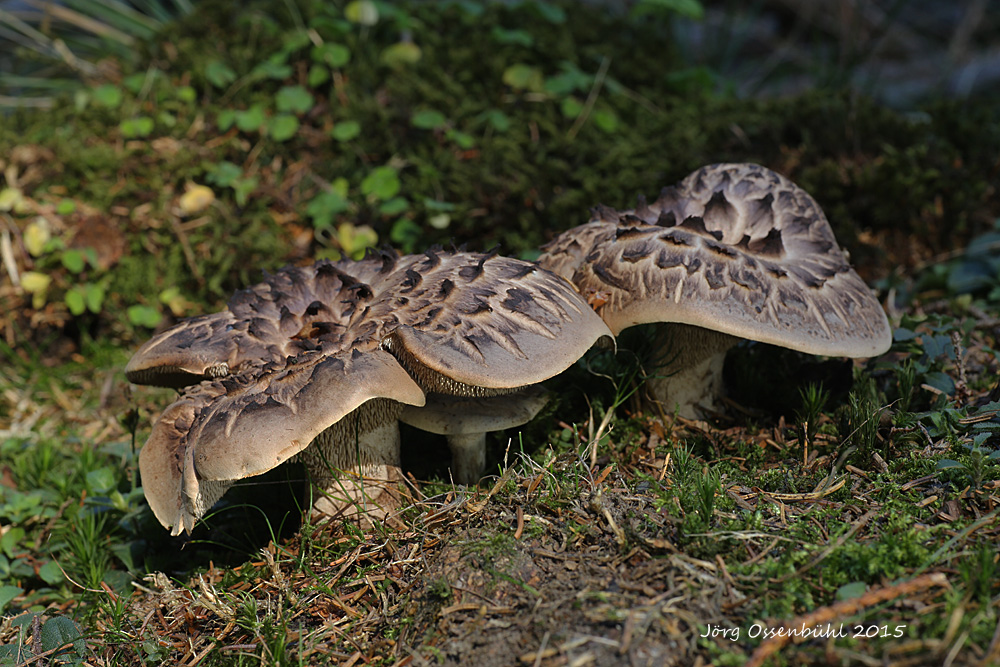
[465,421]
[330,354]
[732,251]
[242,425]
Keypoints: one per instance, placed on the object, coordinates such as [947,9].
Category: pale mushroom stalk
[465,421]
[353,466]
[686,371]
[735,250]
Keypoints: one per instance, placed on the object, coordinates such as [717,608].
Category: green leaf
[226,119]
[406,234]
[428,119]
[524,77]
[219,74]
[186,94]
[945,464]
[73,260]
[243,188]
[100,481]
[498,119]
[400,55]
[463,140]
[75,300]
[51,574]
[10,543]
[331,54]
[691,9]
[606,120]
[166,119]
[251,119]
[108,95]
[318,75]
[8,593]
[273,68]
[517,37]
[551,13]
[132,128]
[282,127]
[381,183]
[60,631]
[224,174]
[144,316]
[394,206]
[571,107]
[855,589]
[570,80]
[325,206]
[346,130]
[295,99]
[66,207]
[135,82]
[94,296]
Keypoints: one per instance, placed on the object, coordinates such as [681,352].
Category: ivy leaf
[428,119]
[143,316]
[331,55]
[346,130]
[295,99]
[75,301]
[219,74]
[382,183]
[73,260]
[283,127]
[401,54]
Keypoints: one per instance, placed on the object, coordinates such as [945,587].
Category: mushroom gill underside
[319,356]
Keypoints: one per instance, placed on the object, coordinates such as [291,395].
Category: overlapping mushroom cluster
[329,355]
[321,363]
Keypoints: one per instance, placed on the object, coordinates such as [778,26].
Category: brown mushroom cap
[735,248]
[240,426]
[477,319]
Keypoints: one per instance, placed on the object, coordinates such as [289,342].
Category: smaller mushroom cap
[248,424]
[735,248]
[198,349]
[462,415]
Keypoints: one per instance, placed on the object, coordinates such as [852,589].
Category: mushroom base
[354,466]
[686,373]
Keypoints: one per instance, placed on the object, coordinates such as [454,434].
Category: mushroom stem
[355,473]
[468,457]
[687,371]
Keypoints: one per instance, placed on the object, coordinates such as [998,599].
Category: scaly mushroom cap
[270,321]
[247,424]
[735,248]
[478,320]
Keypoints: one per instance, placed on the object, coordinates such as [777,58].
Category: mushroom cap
[735,248]
[247,424]
[462,415]
[270,321]
[477,319]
